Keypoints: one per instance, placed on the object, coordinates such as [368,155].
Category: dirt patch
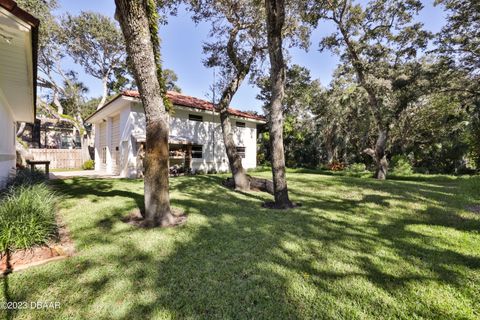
[59,248]
[136,219]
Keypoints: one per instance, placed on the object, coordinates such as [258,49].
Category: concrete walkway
[82,173]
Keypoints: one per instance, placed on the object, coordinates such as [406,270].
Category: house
[18,65]
[51,133]
[195,141]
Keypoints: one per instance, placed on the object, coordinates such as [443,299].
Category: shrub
[24,176]
[336,166]
[88,165]
[27,217]
[401,165]
[357,167]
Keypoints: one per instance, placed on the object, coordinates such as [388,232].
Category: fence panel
[59,158]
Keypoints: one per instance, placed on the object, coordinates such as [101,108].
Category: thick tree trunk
[235,161]
[275,20]
[242,182]
[378,155]
[133,18]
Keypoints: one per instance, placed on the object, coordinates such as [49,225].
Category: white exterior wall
[207,133]
[7,143]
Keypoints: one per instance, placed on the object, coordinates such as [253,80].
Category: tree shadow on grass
[235,259]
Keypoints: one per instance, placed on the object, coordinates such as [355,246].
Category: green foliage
[357,168]
[303,96]
[401,165]
[88,165]
[153,21]
[25,177]
[27,217]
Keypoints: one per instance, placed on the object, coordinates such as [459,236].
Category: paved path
[82,173]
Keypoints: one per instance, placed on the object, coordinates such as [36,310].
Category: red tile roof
[192,102]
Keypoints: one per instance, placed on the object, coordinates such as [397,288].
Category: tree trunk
[378,155]
[240,178]
[235,161]
[133,18]
[104,92]
[330,146]
[21,129]
[275,20]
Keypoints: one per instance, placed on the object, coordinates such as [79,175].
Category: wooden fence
[59,158]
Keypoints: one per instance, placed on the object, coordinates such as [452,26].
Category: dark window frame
[195,117]
[241,151]
[240,124]
[197,154]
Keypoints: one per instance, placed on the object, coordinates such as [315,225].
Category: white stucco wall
[7,143]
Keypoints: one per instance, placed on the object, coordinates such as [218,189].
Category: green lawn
[356,249]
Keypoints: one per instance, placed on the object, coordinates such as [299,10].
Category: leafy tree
[459,45]
[380,43]
[171,79]
[237,47]
[303,98]
[139,24]
[95,42]
[459,39]
[433,133]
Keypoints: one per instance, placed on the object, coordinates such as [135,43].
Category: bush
[24,177]
[401,165]
[88,165]
[336,166]
[27,217]
[357,167]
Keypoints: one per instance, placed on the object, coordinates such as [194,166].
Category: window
[240,124]
[104,155]
[241,152]
[197,151]
[194,117]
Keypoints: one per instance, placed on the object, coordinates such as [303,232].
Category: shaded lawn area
[357,248]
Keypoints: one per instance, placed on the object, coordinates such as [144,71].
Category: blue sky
[182,51]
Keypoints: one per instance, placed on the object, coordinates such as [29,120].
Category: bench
[33,163]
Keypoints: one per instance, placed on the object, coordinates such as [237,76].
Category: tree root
[256,184]
[273,205]
[135,218]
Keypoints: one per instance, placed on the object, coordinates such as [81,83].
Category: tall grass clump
[26,177]
[27,217]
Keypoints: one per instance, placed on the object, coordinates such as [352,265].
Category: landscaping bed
[62,247]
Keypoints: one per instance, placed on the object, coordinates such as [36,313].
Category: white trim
[18,23]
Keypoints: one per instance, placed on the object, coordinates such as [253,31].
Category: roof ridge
[194,102]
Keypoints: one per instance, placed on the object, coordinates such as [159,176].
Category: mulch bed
[60,248]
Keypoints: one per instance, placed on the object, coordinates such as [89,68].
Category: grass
[356,249]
